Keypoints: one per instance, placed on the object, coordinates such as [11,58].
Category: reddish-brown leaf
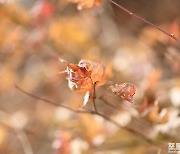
[125,90]
[83,75]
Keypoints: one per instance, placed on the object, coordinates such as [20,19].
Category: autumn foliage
[82,76]
[89,76]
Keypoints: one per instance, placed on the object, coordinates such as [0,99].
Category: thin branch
[107,103]
[94,97]
[144,20]
[120,105]
[48,101]
[87,111]
[21,135]
[117,101]
[25,142]
[94,94]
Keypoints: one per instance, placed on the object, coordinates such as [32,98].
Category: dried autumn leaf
[86,3]
[125,90]
[82,76]
[156,116]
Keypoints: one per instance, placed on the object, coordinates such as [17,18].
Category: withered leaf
[125,90]
[83,75]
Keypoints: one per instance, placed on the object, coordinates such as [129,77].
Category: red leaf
[125,90]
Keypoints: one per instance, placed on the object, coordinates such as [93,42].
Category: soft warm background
[34,34]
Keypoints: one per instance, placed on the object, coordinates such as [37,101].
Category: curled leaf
[83,75]
[125,90]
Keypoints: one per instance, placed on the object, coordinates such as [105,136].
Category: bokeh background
[35,33]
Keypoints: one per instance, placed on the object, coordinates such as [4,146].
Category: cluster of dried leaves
[85,76]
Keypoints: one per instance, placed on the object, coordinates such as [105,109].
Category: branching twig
[117,101]
[107,103]
[130,130]
[117,106]
[144,20]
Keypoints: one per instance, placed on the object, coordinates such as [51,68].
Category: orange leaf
[82,76]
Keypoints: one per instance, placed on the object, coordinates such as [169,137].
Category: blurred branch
[144,20]
[118,103]
[119,145]
[24,141]
[107,103]
[88,111]
[48,101]
[21,135]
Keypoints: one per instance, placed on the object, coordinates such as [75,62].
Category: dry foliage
[123,75]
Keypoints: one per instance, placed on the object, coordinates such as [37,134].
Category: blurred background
[35,33]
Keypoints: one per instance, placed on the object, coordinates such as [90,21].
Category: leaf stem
[94,94]
[94,97]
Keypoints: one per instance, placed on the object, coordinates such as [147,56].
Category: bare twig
[107,103]
[48,101]
[87,111]
[144,20]
[115,100]
[94,97]
[94,94]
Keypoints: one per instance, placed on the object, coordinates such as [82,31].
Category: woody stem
[94,95]
[128,129]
